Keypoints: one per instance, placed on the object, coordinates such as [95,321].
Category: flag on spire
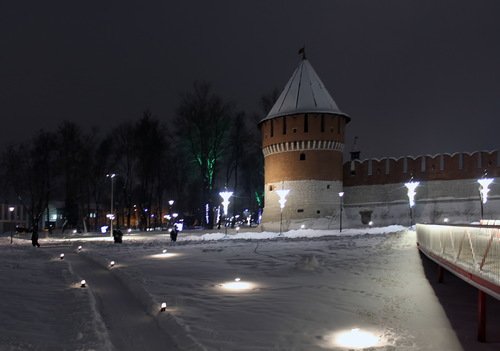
[302,52]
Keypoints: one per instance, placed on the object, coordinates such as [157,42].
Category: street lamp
[411,186]
[170,204]
[111,214]
[282,195]
[11,210]
[225,203]
[484,183]
[341,196]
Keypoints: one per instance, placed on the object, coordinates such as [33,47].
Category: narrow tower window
[272,128]
[322,123]
[306,123]
[302,157]
[284,125]
[338,124]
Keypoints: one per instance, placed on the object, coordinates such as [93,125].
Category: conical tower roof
[304,93]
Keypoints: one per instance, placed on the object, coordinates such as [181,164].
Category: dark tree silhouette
[29,169]
[123,141]
[202,122]
[151,149]
[99,162]
[71,152]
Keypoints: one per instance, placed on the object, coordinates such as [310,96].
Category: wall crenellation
[460,165]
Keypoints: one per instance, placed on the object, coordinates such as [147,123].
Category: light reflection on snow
[354,339]
[238,285]
[164,255]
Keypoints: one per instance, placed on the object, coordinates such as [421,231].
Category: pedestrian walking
[34,236]
[173,233]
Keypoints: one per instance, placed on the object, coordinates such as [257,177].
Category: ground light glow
[238,285]
[163,307]
[356,339]
[164,255]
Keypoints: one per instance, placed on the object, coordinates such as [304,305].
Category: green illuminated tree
[202,122]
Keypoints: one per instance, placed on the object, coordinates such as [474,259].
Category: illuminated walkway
[127,320]
[470,252]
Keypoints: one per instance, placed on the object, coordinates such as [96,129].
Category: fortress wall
[422,168]
[457,200]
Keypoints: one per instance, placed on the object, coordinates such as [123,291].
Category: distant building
[303,144]
[12,216]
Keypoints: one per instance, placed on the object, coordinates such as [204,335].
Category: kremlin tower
[303,142]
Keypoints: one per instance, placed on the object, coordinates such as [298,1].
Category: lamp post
[484,183]
[341,196]
[170,204]
[282,195]
[411,186]
[11,210]
[111,214]
[225,203]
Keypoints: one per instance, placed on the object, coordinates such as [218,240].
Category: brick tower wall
[303,153]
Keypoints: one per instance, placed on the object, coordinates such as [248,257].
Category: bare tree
[29,169]
[202,123]
[150,146]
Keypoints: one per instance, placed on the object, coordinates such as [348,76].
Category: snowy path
[129,325]
[303,294]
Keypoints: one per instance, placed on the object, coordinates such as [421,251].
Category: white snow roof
[304,93]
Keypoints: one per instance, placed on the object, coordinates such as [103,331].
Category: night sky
[416,77]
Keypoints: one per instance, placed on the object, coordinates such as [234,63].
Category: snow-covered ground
[301,291]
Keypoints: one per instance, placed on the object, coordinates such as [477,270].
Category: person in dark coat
[34,236]
[173,233]
[117,235]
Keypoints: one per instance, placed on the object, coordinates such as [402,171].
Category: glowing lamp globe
[237,279]
[483,189]
[282,193]
[80,248]
[112,263]
[164,251]
[61,256]
[411,186]
[163,307]
[225,200]
[83,283]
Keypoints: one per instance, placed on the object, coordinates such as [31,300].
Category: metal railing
[471,252]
